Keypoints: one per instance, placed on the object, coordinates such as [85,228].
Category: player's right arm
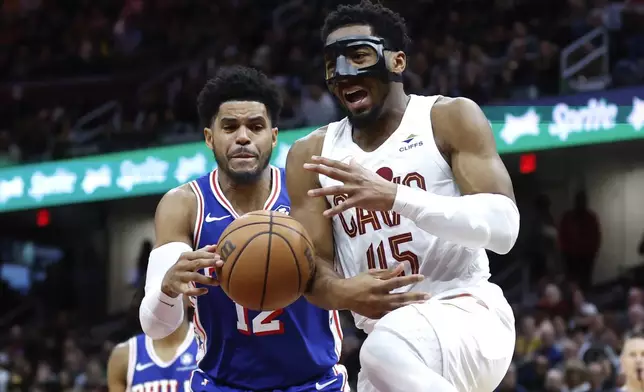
[367,294]
[117,368]
[173,265]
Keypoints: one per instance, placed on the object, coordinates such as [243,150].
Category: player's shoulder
[181,195]
[458,119]
[310,144]
[121,351]
[454,106]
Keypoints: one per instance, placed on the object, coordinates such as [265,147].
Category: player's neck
[379,131]
[247,197]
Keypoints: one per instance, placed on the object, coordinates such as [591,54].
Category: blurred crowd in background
[83,77]
[150,58]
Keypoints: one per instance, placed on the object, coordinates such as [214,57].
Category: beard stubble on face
[245,177]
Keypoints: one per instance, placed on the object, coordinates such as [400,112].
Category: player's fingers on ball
[199,278]
[198,254]
[196,291]
[204,263]
[209,248]
[212,281]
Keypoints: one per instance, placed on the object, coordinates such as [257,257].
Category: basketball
[268,260]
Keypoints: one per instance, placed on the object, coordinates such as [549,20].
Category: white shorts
[475,343]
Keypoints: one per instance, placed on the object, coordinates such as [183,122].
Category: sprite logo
[596,116]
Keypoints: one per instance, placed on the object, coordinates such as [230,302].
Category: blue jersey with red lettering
[147,372]
[295,348]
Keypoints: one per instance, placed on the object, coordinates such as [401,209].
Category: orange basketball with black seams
[268,260]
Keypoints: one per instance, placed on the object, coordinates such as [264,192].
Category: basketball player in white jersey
[413,185]
[141,364]
[632,363]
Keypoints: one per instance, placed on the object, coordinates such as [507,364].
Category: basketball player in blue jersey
[292,349]
[165,365]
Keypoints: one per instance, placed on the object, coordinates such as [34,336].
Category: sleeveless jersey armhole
[436,154]
[196,231]
[131,363]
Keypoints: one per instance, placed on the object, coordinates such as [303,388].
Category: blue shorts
[335,380]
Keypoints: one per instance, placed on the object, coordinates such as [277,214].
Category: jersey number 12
[265,323]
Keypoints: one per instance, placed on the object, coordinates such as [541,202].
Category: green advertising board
[555,123]
[114,176]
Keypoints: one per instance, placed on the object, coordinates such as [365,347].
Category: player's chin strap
[159,314]
[483,220]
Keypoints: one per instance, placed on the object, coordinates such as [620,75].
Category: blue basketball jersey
[147,372]
[248,350]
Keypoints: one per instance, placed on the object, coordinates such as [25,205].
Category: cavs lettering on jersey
[149,373]
[248,350]
[367,239]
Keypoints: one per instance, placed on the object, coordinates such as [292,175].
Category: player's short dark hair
[238,83]
[384,22]
[634,334]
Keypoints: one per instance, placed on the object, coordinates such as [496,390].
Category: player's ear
[274,132]
[397,62]
[207,134]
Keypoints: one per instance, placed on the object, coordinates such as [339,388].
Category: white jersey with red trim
[250,350]
[367,239]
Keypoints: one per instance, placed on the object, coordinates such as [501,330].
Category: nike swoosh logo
[320,387]
[139,367]
[210,219]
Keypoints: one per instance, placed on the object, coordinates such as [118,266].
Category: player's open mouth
[356,98]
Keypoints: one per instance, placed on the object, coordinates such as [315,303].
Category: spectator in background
[582,311]
[142,262]
[509,382]
[598,377]
[576,376]
[541,244]
[9,152]
[549,348]
[552,303]
[554,381]
[640,249]
[318,106]
[636,318]
[5,374]
[527,339]
[580,239]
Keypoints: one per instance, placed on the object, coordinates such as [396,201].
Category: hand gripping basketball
[180,277]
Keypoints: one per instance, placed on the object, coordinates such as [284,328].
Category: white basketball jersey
[366,239]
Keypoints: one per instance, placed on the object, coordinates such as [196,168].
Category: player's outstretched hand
[179,278]
[364,188]
[369,294]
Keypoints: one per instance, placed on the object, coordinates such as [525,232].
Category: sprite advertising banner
[589,118]
[592,118]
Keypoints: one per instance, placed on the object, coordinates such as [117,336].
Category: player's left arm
[117,368]
[486,215]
